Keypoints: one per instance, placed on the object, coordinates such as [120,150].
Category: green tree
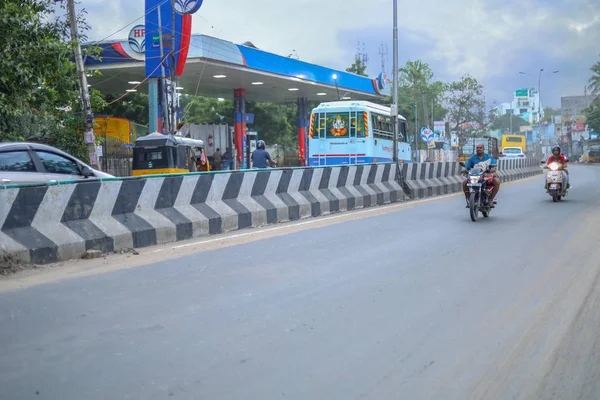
[275,123]
[418,87]
[506,121]
[594,82]
[133,107]
[208,110]
[593,117]
[550,112]
[358,67]
[38,82]
[466,106]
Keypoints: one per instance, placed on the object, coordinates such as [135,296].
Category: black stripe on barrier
[77,213]
[385,179]
[334,202]
[258,194]
[230,195]
[165,203]
[357,185]
[143,234]
[18,225]
[282,192]
[341,186]
[371,183]
[198,201]
[304,189]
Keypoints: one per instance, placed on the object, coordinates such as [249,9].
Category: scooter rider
[481,156]
[559,158]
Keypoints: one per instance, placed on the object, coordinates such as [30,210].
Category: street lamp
[336,85]
[539,92]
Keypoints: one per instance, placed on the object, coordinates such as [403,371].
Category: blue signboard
[152,37]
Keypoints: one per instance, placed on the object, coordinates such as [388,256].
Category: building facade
[525,104]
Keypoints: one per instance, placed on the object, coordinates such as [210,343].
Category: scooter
[555,185]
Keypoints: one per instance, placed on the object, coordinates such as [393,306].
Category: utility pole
[88,135]
[394,107]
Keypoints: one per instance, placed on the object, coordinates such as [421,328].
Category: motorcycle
[480,183]
[555,185]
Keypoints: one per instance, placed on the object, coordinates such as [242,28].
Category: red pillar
[302,123]
[239,118]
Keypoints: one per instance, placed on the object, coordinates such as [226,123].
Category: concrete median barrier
[439,178]
[44,224]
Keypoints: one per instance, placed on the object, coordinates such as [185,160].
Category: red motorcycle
[480,183]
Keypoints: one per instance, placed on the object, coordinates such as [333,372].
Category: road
[419,303]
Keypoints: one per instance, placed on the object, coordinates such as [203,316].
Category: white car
[33,163]
[512,153]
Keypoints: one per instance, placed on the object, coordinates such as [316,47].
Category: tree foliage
[275,123]
[550,112]
[38,82]
[594,82]
[358,67]
[133,107]
[593,117]
[466,106]
[506,121]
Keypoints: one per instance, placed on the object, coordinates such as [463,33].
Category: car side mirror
[86,171]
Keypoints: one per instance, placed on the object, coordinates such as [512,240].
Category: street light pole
[336,86]
[540,99]
[395,82]
[416,134]
[88,135]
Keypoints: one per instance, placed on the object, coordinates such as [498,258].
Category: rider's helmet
[556,149]
[261,144]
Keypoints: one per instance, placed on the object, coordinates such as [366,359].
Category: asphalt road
[416,304]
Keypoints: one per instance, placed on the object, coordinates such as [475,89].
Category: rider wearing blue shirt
[261,157]
[481,156]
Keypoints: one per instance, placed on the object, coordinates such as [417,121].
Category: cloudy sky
[491,40]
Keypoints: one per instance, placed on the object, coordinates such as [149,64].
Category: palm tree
[594,83]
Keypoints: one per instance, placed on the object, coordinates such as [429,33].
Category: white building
[526,103]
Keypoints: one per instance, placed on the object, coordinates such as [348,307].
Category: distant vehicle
[514,141]
[512,153]
[167,154]
[34,163]
[354,132]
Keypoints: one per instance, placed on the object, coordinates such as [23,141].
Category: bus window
[338,124]
[382,127]
[402,131]
[361,130]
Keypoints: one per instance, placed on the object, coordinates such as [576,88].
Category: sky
[490,40]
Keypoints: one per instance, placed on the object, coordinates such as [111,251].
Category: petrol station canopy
[216,67]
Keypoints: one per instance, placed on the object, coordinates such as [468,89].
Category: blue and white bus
[354,132]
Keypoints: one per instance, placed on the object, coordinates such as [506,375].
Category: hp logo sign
[137,39]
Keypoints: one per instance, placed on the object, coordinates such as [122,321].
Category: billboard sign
[522,93]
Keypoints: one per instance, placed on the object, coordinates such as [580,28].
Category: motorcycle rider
[481,156]
[559,158]
[261,157]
